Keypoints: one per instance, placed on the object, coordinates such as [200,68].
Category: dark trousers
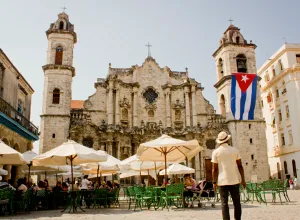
[234,191]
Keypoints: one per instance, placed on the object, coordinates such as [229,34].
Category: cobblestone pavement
[288,211]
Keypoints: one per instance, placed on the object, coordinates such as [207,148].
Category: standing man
[227,165]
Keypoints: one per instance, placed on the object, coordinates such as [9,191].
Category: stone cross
[230,20]
[64,8]
[149,45]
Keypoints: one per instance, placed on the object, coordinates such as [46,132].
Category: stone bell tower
[58,74]
[235,54]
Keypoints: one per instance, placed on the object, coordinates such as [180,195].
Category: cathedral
[137,104]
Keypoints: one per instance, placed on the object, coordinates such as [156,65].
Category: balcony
[15,121]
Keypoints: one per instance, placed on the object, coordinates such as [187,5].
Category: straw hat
[103,183]
[116,181]
[223,137]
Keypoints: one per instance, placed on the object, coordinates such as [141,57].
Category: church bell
[241,66]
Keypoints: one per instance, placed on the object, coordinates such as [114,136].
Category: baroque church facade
[136,104]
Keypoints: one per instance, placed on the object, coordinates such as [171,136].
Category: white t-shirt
[84,184]
[226,156]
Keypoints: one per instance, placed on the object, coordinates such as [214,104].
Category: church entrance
[208,170]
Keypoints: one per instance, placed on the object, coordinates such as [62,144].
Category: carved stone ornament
[151,106]
[125,103]
[88,104]
[178,105]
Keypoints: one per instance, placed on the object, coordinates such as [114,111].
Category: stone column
[194,106]
[187,107]
[117,118]
[110,105]
[135,106]
[168,112]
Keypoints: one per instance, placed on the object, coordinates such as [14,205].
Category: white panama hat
[222,137]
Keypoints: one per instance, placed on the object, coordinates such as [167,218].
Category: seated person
[47,187]
[58,187]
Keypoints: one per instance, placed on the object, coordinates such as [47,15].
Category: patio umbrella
[10,156]
[135,164]
[177,168]
[130,173]
[166,148]
[28,156]
[70,153]
[109,167]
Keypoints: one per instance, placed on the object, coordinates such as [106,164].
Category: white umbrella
[134,164]
[10,156]
[177,168]
[69,174]
[130,173]
[70,153]
[166,148]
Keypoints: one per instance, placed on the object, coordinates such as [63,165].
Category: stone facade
[235,54]
[16,130]
[58,72]
[140,103]
[281,103]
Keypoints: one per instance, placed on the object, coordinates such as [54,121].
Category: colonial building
[16,130]
[281,105]
[136,104]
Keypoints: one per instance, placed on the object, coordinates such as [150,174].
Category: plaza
[251,211]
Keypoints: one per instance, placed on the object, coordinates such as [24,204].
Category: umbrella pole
[29,165]
[148,178]
[45,175]
[140,177]
[71,159]
[166,175]
[98,174]
[156,181]
[100,178]
[56,177]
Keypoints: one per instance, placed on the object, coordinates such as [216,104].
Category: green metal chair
[6,200]
[100,198]
[113,198]
[24,202]
[283,190]
[131,195]
[142,197]
[271,187]
[172,196]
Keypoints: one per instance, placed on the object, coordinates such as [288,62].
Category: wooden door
[208,169]
[59,56]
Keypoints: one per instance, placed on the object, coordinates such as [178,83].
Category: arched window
[294,168]
[278,171]
[220,68]
[285,167]
[241,63]
[88,142]
[280,65]
[56,96]
[237,39]
[61,25]
[222,105]
[59,56]
[124,114]
[150,95]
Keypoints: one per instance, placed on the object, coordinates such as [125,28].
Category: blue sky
[183,34]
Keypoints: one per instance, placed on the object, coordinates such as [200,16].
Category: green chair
[283,190]
[172,196]
[131,195]
[100,198]
[253,192]
[113,198]
[6,200]
[271,187]
[142,198]
[24,202]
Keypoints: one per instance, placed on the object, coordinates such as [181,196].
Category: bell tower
[58,74]
[234,55]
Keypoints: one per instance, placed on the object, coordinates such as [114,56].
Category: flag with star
[243,95]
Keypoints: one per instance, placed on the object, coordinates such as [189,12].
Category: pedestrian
[291,184]
[295,182]
[227,165]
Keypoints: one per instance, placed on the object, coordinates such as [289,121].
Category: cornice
[232,44]
[222,80]
[57,31]
[59,67]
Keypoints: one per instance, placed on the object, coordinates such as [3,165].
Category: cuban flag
[243,95]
